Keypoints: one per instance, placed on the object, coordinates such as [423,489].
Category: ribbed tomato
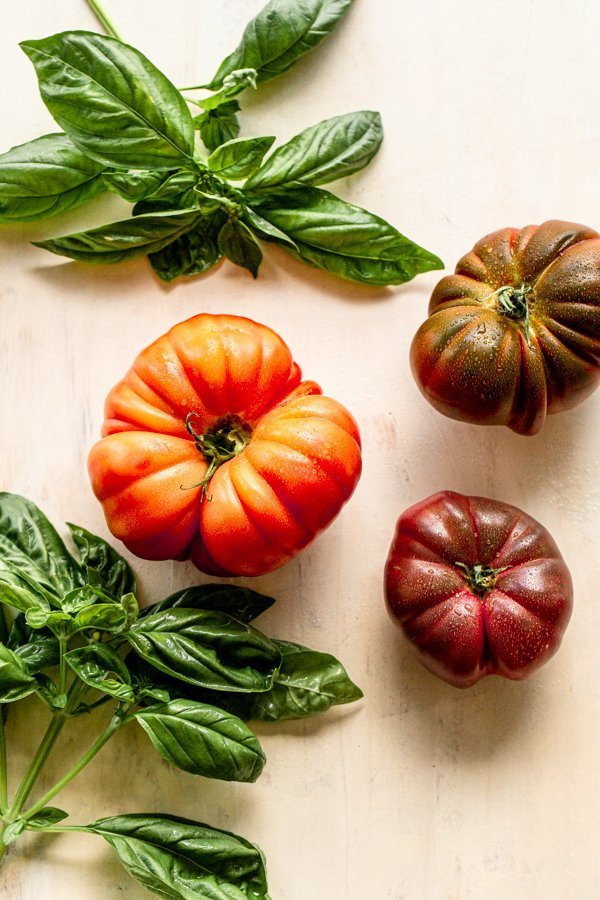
[514,334]
[215,450]
[478,588]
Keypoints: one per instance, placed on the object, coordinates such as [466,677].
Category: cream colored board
[420,792]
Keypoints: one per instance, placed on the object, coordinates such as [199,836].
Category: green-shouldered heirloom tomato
[215,450]
[478,588]
[514,334]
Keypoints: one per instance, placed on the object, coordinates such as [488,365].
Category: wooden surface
[420,792]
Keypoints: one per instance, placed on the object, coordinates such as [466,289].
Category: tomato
[215,450]
[478,588]
[514,334]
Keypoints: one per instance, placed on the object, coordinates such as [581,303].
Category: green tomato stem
[3,768]
[114,724]
[104,19]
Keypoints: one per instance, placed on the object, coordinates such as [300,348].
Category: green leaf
[123,240]
[49,815]
[332,149]
[238,244]
[131,608]
[178,858]
[343,239]
[307,683]
[233,85]
[206,648]
[238,602]
[45,618]
[174,193]
[45,177]
[99,666]
[116,575]
[103,616]
[79,598]
[135,184]
[193,253]
[266,230]
[203,740]
[111,101]
[31,547]
[216,126]
[40,652]
[21,598]
[282,32]
[238,158]
[13,830]
[15,680]
[49,692]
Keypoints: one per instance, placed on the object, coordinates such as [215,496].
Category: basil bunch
[127,129]
[190,670]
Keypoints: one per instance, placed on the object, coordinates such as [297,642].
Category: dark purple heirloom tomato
[514,334]
[478,587]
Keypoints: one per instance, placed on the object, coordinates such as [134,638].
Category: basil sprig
[201,192]
[191,671]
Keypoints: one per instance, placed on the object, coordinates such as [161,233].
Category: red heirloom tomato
[215,450]
[514,334]
[478,588]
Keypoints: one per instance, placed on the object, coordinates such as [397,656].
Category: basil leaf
[182,859]
[193,253]
[238,158]
[241,603]
[123,240]
[130,608]
[21,598]
[343,239]
[31,547]
[116,575]
[266,230]
[135,184]
[332,149]
[238,244]
[15,680]
[307,683]
[282,32]
[99,666]
[45,177]
[40,652]
[49,815]
[13,830]
[233,85]
[216,126]
[48,691]
[203,740]
[111,100]
[206,648]
[103,616]
[79,598]
[44,618]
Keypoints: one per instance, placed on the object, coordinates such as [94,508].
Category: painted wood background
[420,792]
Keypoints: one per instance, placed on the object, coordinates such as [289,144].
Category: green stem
[114,724]
[63,667]
[3,767]
[44,750]
[104,19]
[57,829]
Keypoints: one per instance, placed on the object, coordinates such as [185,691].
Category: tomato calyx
[512,302]
[219,443]
[481,579]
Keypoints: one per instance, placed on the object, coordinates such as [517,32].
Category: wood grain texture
[420,792]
